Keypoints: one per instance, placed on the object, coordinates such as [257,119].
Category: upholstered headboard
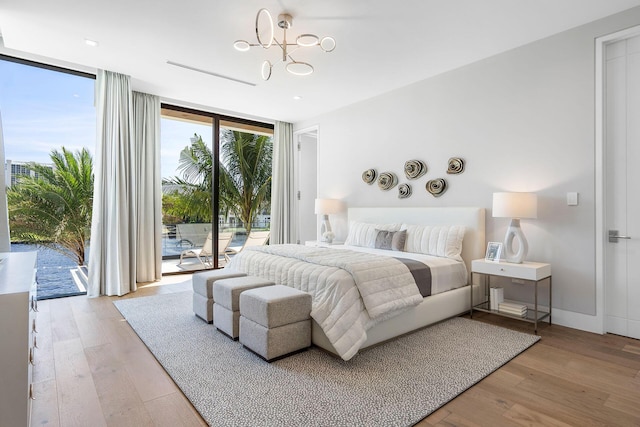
[473,245]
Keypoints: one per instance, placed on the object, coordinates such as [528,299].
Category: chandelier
[265,33]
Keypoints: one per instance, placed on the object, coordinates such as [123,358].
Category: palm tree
[245,178]
[245,173]
[189,196]
[53,208]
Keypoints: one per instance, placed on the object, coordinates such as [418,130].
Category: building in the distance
[13,170]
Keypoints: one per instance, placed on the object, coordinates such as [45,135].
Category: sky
[43,110]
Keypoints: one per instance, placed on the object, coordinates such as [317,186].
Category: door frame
[296,138]
[600,169]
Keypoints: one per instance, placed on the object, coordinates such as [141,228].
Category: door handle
[614,236]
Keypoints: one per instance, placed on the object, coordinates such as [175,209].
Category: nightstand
[526,273]
[322,244]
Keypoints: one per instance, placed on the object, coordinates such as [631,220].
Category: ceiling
[381,45]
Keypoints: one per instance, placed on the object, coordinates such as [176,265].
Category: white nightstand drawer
[526,270]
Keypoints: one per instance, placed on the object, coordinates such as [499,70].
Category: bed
[355,303]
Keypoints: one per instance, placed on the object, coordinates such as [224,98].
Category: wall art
[369,176]
[456,165]
[414,169]
[437,187]
[404,191]
[387,180]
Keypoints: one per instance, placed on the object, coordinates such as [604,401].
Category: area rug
[395,384]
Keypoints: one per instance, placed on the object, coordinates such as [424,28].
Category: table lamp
[326,207]
[516,206]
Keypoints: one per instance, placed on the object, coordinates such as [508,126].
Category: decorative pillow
[391,240]
[399,239]
[384,239]
[363,234]
[442,241]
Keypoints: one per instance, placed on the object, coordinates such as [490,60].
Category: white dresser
[18,329]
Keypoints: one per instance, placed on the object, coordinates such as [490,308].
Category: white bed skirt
[431,310]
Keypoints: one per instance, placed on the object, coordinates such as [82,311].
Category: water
[54,271]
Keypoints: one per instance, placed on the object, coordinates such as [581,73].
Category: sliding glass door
[216,186]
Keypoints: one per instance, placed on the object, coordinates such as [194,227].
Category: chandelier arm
[282,46]
[289,52]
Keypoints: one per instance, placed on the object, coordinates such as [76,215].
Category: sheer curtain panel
[112,253]
[283,217]
[5,241]
[146,125]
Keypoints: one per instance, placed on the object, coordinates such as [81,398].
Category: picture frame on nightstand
[494,250]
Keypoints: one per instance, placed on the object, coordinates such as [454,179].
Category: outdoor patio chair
[205,254]
[255,238]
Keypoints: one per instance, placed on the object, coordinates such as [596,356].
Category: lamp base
[514,233]
[326,235]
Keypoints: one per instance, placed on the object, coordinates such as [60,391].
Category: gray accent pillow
[391,240]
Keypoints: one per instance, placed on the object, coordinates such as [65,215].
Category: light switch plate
[572,199]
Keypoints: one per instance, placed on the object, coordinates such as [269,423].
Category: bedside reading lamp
[516,206]
[325,207]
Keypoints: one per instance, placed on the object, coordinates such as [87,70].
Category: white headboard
[473,245]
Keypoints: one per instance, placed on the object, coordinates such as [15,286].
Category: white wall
[523,121]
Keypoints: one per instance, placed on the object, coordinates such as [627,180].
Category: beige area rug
[395,384]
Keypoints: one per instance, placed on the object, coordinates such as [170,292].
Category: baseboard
[583,322]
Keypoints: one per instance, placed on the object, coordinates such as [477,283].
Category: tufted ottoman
[275,321]
[203,291]
[226,294]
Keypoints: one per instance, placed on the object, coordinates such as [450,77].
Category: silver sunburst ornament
[369,176]
[456,166]
[414,169]
[437,187]
[387,181]
[404,191]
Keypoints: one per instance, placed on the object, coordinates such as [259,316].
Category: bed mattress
[446,273]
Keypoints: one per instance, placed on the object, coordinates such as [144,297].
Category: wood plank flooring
[93,370]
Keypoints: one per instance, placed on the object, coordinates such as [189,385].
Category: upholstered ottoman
[275,321]
[203,291]
[226,306]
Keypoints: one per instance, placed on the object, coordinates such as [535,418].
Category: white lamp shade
[328,206]
[515,205]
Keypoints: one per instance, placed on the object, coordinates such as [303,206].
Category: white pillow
[363,234]
[442,241]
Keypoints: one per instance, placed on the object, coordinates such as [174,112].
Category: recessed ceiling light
[90,42]
[297,98]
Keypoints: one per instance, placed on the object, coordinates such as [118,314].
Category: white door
[307,185]
[622,187]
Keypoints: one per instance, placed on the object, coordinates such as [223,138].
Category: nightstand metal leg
[549,300]
[471,293]
[535,310]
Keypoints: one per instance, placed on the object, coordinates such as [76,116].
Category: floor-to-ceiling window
[216,174]
[49,127]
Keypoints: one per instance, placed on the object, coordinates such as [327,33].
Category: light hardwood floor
[92,370]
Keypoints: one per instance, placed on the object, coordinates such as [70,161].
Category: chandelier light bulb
[266,70]
[264,28]
[328,44]
[241,45]
[307,40]
[299,68]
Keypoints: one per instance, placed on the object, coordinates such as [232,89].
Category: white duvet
[351,291]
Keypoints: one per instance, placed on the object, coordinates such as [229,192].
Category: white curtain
[146,126]
[112,252]
[283,215]
[5,241]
